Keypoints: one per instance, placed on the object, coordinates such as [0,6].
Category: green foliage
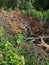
[23,11]
[35,8]
[16,39]
[37,14]
[22,54]
[47,63]
[46,15]
[13,50]
[20,38]
[1,31]
[8,55]
[31,55]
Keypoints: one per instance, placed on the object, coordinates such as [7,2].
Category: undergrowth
[15,51]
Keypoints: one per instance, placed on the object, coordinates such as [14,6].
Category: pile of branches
[15,22]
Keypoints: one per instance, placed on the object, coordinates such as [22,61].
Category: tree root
[43,44]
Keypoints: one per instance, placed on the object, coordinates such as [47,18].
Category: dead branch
[34,38]
[43,44]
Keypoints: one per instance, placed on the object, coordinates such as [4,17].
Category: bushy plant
[8,55]
[46,15]
[34,13]
[31,7]
[19,38]
[37,14]
[1,31]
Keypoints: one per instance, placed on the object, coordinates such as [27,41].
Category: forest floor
[16,22]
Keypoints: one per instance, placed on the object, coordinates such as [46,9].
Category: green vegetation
[36,8]
[8,55]
[15,51]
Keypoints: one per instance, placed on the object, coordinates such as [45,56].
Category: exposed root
[43,44]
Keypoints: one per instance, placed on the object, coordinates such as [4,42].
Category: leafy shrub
[37,14]
[31,7]
[29,51]
[46,15]
[8,56]
[24,11]
[34,13]
[20,38]
[1,31]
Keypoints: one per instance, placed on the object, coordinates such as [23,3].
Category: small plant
[8,55]
[1,31]
[19,38]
